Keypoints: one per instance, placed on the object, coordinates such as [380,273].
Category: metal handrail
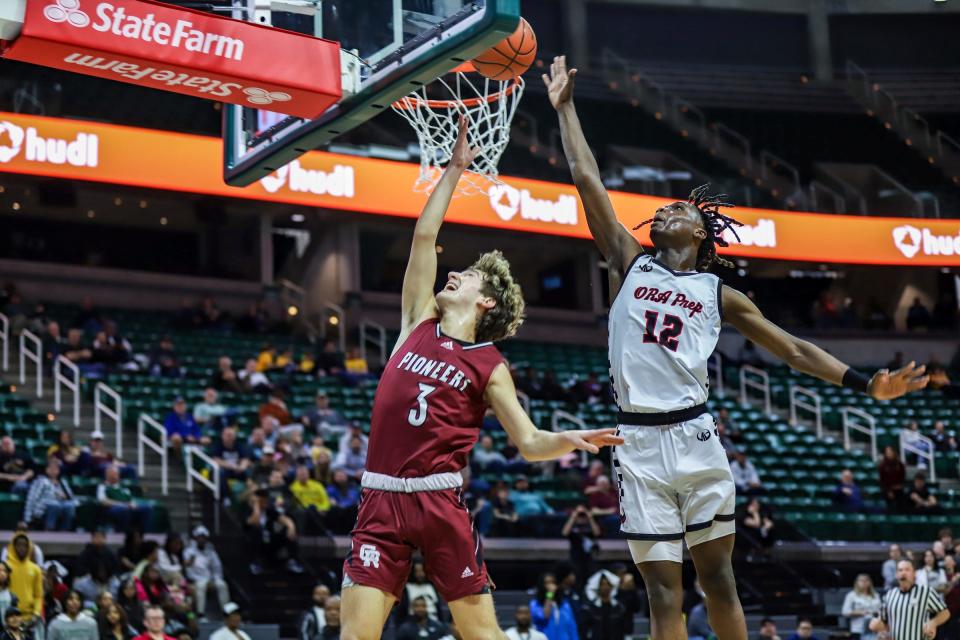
[524,401]
[950,143]
[855,74]
[720,128]
[763,386]
[143,423]
[717,361]
[769,162]
[73,384]
[869,428]
[910,117]
[562,416]
[192,452]
[376,334]
[911,447]
[35,356]
[797,393]
[5,338]
[115,414]
[839,203]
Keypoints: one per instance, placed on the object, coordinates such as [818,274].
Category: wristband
[855,380]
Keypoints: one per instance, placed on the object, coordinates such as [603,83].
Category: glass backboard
[388,49]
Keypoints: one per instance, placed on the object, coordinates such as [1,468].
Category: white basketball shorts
[675,486]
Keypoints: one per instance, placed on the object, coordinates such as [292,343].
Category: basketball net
[488,106]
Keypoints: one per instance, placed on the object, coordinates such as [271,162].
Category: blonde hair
[505,318]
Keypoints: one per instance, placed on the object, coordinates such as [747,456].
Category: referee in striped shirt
[909,611]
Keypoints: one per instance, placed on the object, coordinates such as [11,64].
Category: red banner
[165,47]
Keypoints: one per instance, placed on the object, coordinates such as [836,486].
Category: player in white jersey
[665,317]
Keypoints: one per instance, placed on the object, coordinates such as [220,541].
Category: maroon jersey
[429,404]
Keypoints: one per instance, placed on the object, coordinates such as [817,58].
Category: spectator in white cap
[101,458]
[205,570]
[232,619]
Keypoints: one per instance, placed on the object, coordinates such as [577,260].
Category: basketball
[510,57]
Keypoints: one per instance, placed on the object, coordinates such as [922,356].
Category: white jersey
[664,325]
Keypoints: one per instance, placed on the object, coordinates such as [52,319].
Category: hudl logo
[339,182]
[507,202]
[907,239]
[80,152]
[911,241]
[67,11]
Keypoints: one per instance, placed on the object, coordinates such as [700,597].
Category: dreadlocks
[714,223]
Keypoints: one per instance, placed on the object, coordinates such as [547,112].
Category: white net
[488,105]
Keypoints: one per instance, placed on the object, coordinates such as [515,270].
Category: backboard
[388,49]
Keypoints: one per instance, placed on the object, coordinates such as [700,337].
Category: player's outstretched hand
[592,440]
[559,82]
[463,154]
[885,385]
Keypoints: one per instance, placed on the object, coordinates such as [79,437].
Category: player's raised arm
[808,358]
[615,242]
[417,301]
[535,444]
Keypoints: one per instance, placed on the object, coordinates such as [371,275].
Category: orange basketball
[510,57]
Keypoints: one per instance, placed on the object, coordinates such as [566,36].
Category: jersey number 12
[672,328]
[418,415]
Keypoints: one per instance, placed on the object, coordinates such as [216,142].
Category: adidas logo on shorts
[467,573]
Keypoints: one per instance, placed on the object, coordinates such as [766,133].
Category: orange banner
[177,162]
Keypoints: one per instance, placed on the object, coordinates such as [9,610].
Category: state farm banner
[178,162]
[198,54]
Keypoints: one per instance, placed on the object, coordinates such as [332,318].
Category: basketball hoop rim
[414,101]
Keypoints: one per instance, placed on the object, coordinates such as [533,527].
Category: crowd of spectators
[140,590]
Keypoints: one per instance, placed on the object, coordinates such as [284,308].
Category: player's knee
[481,634]
[348,633]
[719,584]
[665,599]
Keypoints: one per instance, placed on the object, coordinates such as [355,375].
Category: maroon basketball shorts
[391,525]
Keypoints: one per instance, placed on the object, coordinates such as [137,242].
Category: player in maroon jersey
[442,374]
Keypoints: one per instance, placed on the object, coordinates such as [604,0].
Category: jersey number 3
[672,328]
[418,415]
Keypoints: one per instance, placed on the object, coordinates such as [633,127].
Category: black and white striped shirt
[905,612]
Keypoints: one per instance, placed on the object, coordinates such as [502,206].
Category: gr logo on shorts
[369,555]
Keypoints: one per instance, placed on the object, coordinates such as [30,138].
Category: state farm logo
[15,135]
[82,151]
[911,241]
[66,11]
[507,202]
[121,21]
[907,239]
[262,96]
[338,182]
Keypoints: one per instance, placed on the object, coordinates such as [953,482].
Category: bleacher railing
[5,339]
[715,366]
[71,382]
[524,401]
[100,409]
[145,426]
[808,400]
[920,446]
[373,333]
[35,356]
[558,418]
[763,386]
[861,422]
[193,474]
